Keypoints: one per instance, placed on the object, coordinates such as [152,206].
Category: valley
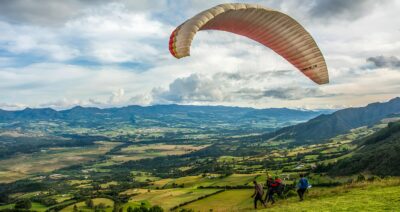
[184,158]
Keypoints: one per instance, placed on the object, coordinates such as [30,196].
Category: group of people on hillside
[275,186]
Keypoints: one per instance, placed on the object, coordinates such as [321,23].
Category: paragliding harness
[278,187]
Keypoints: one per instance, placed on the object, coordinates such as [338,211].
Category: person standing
[302,186]
[270,191]
[258,193]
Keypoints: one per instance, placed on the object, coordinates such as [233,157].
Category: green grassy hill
[382,195]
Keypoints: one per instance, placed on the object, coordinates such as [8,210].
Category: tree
[117,207]
[101,206]
[23,204]
[141,209]
[75,208]
[156,208]
[89,203]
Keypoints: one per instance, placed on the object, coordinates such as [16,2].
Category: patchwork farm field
[107,205]
[206,181]
[139,152]
[127,167]
[169,198]
[47,160]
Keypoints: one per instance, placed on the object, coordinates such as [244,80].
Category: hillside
[340,122]
[378,154]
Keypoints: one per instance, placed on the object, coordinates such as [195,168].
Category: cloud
[7,106]
[116,96]
[56,13]
[231,87]
[333,9]
[39,12]
[123,38]
[294,93]
[385,62]
[61,53]
[198,88]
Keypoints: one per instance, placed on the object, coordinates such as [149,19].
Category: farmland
[174,175]
[176,164]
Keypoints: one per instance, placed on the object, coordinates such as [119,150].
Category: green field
[96,201]
[231,200]
[168,198]
[138,152]
[207,181]
[35,207]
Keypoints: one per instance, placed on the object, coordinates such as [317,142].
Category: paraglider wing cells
[273,29]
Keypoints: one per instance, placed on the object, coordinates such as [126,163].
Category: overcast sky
[100,53]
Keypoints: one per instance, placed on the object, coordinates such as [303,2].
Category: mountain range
[175,116]
[326,126]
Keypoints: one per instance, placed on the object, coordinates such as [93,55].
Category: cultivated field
[138,152]
[24,165]
[108,204]
[168,198]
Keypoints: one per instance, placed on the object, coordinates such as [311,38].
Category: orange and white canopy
[272,28]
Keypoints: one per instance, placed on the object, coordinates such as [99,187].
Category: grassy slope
[376,196]
[361,199]
[378,154]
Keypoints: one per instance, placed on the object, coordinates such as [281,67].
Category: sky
[101,53]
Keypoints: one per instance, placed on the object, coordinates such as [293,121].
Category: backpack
[303,184]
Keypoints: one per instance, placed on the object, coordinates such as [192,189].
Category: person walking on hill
[302,186]
[270,191]
[278,186]
[274,186]
[258,193]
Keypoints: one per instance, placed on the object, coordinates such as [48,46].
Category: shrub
[23,204]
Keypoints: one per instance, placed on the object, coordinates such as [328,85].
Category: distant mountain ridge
[186,116]
[329,125]
[49,113]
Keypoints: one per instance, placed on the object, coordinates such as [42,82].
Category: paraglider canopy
[272,28]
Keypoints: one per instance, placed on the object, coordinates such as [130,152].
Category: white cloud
[116,96]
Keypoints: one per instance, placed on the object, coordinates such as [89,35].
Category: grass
[96,201]
[368,198]
[161,183]
[231,200]
[9,206]
[138,152]
[168,198]
[78,182]
[35,207]
[108,184]
[212,180]
[62,197]
[38,207]
[383,195]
